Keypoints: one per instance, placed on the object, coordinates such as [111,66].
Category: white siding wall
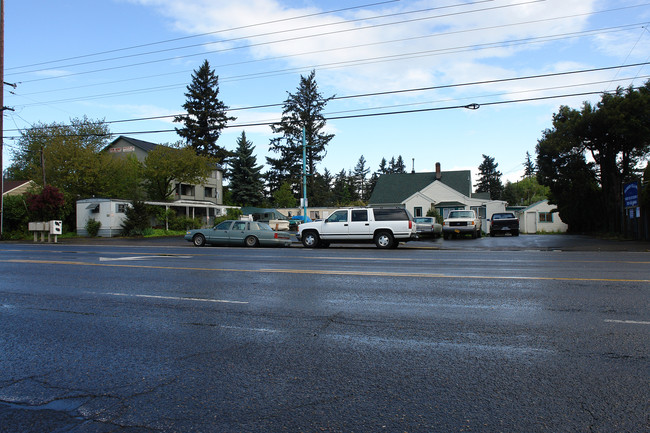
[529,219]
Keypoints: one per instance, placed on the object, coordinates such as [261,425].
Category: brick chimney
[438,172]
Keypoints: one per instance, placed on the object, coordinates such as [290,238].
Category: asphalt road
[535,333]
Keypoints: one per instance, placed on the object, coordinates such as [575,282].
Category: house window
[545,217]
[209,192]
[187,189]
[480,211]
[417,211]
[121,208]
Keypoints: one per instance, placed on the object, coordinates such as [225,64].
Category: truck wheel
[310,239]
[384,240]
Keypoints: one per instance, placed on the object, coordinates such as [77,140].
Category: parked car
[504,222]
[239,233]
[461,222]
[427,227]
[386,227]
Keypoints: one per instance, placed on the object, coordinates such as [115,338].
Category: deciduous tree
[165,164]
[614,133]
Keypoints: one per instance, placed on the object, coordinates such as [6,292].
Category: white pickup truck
[461,222]
[386,227]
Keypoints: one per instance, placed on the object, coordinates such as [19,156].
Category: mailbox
[56,227]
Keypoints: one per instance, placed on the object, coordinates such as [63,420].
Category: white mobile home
[110,213]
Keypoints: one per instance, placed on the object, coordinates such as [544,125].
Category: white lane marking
[628,322]
[177,298]
[239,328]
[115,259]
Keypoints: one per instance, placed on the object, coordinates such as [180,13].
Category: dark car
[239,233]
[504,222]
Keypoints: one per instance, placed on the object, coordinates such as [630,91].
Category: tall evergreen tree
[489,178]
[321,192]
[301,110]
[206,114]
[399,167]
[529,166]
[245,175]
[360,177]
[341,189]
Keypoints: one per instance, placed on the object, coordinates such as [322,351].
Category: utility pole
[2,110]
[304,176]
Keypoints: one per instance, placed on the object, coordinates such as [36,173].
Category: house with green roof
[444,190]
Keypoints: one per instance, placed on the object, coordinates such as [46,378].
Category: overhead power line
[472,106]
[275,32]
[292,39]
[392,92]
[204,34]
[450,50]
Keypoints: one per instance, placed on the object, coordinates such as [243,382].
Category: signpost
[632,209]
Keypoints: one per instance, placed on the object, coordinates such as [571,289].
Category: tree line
[581,164]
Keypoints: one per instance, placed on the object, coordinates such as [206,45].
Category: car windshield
[461,214]
[501,216]
[423,220]
[264,226]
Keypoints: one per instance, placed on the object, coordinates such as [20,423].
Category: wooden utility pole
[2,108]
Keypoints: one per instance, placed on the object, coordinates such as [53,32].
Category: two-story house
[203,201]
[210,191]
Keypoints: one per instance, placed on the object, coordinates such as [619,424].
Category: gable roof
[10,185]
[144,145]
[395,188]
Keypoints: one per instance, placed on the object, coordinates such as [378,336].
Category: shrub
[137,219]
[15,215]
[92,227]
[433,212]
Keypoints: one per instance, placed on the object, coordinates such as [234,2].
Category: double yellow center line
[329,272]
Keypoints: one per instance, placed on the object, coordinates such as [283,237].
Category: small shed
[541,217]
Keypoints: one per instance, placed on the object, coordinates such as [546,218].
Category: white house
[541,218]
[444,190]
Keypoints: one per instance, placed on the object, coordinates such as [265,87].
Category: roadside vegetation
[581,165]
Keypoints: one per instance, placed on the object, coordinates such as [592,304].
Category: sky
[404,74]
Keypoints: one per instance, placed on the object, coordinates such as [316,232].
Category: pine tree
[489,178]
[245,175]
[341,189]
[206,114]
[529,166]
[301,110]
[396,166]
[360,173]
